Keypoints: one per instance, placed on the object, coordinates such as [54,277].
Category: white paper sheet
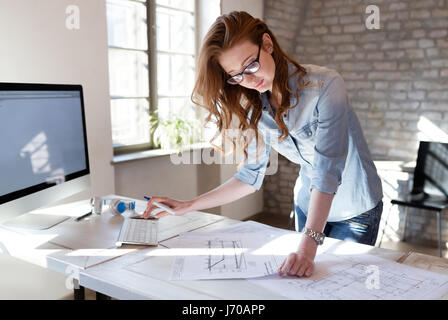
[252,227]
[221,256]
[359,277]
[249,227]
[170,226]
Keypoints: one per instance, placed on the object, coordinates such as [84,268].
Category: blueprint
[359,277]
[221,256]
[254,251]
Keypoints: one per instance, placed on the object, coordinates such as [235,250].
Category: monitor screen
[42,138]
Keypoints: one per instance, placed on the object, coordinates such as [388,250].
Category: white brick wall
[395,75]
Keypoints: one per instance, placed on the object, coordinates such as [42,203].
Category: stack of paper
[252,250]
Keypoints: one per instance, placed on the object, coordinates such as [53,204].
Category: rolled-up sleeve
[253,171]
[331,146]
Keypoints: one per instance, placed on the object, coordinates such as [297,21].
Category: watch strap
[316,236]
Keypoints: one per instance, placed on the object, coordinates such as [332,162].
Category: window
[129,76]
[151,66]
[176,55]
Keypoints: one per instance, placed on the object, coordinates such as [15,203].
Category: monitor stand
[35,221]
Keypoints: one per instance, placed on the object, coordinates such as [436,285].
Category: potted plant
[173,133]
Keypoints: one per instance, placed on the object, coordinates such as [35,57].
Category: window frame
[152,98]
[152,68]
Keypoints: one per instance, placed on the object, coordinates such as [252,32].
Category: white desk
[115,278]
[73,246]
[86,251]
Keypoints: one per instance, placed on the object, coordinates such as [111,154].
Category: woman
[302,111]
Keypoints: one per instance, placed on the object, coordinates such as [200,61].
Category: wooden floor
[274,220]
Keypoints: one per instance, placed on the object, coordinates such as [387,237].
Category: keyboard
[138,231]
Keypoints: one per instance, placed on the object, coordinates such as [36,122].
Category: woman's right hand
[231,190]
[180,207]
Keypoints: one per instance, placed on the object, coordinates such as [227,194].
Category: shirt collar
[292,83]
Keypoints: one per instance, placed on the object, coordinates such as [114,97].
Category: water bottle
[97,205]
[118,206]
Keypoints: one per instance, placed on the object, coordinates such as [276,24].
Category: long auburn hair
[223,100]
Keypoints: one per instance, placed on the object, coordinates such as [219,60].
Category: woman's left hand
[301,262]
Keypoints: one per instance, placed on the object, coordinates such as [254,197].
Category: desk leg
[439,233]
[79,292]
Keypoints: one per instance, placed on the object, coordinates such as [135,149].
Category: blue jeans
[362,229]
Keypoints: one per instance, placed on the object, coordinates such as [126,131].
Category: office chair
[430,183]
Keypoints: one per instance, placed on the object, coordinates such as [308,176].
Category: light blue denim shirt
[326,140]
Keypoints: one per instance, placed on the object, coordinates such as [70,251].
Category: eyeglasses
[253,67]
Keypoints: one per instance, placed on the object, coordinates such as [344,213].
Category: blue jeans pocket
[362,228]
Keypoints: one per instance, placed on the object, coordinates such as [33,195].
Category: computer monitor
[43,144]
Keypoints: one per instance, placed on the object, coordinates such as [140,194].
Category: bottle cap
[121,207]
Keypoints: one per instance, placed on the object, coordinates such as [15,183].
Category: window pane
[180,107]
[175,74]
[130,121]
[181,4]
[175,31]
[128,73]
[126,24]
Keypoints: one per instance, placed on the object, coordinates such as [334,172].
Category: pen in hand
[161,206]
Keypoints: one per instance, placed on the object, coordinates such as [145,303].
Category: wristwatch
[316,236]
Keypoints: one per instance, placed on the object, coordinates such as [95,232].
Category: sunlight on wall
[395,184]
[428,131]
